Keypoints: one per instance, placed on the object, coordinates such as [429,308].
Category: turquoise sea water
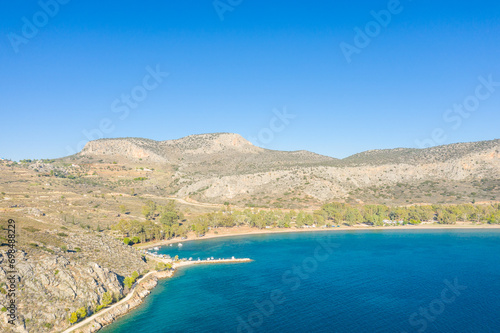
[349,281]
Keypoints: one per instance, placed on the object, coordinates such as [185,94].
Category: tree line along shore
[167,222]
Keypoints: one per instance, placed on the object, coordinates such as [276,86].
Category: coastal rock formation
[142,291]
[52,284]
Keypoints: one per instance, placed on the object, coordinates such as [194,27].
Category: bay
[331,281]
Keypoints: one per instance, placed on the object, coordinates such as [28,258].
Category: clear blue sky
[229,75]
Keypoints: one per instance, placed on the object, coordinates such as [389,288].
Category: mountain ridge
[195,142]
[219,167]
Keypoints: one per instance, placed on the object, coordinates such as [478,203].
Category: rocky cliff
[52,284]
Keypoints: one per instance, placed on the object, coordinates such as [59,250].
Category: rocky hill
[439,154]
[59,273]
[226,167]
[216,154]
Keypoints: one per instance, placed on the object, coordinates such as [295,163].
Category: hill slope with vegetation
[225,167]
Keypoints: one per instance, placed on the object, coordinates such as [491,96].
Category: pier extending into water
[214,261]
[187,262]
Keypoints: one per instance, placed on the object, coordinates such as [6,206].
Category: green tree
[163,266]
[73,318]
[169,218]
[300,219]
[81,312]
[152,205]
[127,241]
[352,216]
[146,211]
[200,226]
[170,206]
[128,282]
[309,219]
[107,298]
[494,218]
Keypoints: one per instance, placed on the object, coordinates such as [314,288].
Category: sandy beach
[245,230]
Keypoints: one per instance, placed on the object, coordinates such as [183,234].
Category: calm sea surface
[363,281]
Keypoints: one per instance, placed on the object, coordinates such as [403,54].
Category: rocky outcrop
[142,291]
[52,286]
[132,148]
[52,283]
[170,150]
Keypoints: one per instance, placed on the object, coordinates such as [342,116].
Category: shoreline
[84,325]
[244,231]
[140,290]
[136,296]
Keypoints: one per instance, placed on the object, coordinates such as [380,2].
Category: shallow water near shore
[352,281]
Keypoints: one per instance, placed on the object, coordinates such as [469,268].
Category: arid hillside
[225,167]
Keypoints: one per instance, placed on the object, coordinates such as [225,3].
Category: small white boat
[180,244]
[156,248]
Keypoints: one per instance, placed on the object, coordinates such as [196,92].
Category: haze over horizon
[426,74]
